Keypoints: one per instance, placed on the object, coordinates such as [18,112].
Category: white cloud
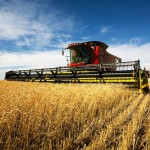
[135,40]
[35,59]
[85,38]
[26,23]
[38,59]
[83,27]
[131,52]
[104,29]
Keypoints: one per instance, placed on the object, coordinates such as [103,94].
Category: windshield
[79,54]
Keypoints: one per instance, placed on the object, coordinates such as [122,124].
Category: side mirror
[62,52]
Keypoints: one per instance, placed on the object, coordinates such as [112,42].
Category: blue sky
[32,33]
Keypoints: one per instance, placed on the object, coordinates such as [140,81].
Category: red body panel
[77,64]
[96,54]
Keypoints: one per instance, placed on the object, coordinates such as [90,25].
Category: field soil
[49,116]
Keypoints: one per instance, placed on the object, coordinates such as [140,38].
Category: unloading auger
[89,63]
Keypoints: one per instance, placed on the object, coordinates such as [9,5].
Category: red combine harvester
[89,62]
[92,52]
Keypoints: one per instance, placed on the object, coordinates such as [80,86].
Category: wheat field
[49,116]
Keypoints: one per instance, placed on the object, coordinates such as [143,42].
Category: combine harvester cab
[90,53]
[89,62]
